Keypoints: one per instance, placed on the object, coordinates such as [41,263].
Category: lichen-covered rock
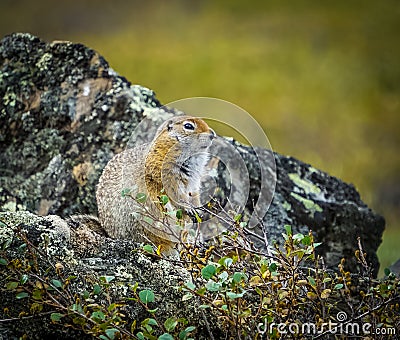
[64,113]
[332,209]
[87,256]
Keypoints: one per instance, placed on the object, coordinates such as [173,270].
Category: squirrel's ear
[169,127]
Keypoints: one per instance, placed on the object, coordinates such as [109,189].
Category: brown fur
[151,169]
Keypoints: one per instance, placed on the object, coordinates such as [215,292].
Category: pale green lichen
[54,232]
[2,76]
[312,170]
[19,217]
[141,98]
[122,273]
[311,206]
[6,234]
[10,99]
[306,185]
[10,206]
[286,205]
[42,64]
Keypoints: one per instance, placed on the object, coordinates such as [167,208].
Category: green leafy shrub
[283,292]
[288,292]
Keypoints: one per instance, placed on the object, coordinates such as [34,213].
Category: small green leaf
[151,322]
[99,316]
[311,281]
[190,329]
[212,286]
[198,218]
[288,229]
[56,283]
[306,240]
[146,296]
[201,291]
[232,295]
[148,220]
[56,317]
[238,276]
[3,262]
[7,243]
[152,311]
[22,247]
[148,248]
[190,285]
[179,214]
[317,244]
[300,237]
[12,285]
[243,224]
[110,332]
[96,289]
[338,286]
[107,278]
[134,287]
[204,306]
[223,276]
[125,192]
[77,307]
[112,306]
[170,324]
[37,294]
[187,297]
[140,336]
[225,261]
[22,295]
[258,291]
[164,199]
[237,217]
[273,267]
[166,336]
[386,271]
[36,307]
[141,197]
[208,271]
[183,334]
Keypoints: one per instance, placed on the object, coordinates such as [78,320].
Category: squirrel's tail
[89,221]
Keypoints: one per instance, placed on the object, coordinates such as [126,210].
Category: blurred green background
[322,78]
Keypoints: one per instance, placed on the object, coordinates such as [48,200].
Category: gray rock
[395,267]
[86,255]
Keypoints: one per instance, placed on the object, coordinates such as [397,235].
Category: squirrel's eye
[188,126]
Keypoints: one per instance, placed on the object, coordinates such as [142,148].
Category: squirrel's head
[190,131]
[178,156]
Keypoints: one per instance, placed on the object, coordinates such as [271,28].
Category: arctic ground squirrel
[171,165]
